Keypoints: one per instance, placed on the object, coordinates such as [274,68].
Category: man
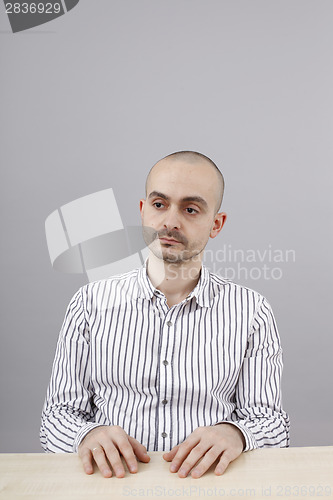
[169,356]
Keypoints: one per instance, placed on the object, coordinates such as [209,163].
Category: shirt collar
[202,291]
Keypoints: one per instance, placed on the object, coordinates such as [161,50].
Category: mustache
[174,235]
[150,235]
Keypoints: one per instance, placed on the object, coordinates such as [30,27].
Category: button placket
[167,348]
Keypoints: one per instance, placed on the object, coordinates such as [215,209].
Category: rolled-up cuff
[82,434]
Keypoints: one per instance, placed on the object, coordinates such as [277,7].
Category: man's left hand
[206,444]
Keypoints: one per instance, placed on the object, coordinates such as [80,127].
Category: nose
[172,219]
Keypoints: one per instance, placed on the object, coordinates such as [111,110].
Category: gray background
[94,98]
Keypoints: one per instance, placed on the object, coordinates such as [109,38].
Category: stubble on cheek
[149,235]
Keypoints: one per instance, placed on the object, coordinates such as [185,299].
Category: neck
[175,280]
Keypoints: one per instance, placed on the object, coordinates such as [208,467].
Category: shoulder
[224,286]
[116,280]
[235,300]
[111,288]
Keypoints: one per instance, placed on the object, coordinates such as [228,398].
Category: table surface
[264,473]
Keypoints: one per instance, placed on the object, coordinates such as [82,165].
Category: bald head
[195,158]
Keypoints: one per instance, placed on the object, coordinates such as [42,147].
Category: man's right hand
[106,444]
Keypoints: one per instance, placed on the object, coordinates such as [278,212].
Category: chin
[174,258]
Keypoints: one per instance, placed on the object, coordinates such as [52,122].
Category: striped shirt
[125,358]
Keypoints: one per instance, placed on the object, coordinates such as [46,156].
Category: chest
[132,347]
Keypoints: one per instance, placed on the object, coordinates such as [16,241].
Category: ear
[141,206]
[219,221]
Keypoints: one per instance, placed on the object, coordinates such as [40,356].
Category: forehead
[180,179]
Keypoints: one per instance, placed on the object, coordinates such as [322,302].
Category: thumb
[139,450]
[169,455]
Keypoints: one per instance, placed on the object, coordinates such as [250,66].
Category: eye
[193,211]
[158,204]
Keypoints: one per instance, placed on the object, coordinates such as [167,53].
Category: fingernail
[182,472]
[132,468]
[173,468]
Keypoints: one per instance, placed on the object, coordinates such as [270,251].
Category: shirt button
[164,402]
[164,435]
[169,323]
[165,362]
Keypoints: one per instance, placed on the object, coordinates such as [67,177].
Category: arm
[68,414]
[68,406]
[258,419]
[259,414]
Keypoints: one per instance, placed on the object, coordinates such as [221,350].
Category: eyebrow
[194,198]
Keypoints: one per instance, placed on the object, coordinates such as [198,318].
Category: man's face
[178,216]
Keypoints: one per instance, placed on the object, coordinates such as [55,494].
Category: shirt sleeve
[259,414]
[68,412]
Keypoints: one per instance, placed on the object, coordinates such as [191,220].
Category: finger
[188,454]
[126,450]
[208,459]
[114,458]
[86,459]
[223,463]
[100,459]
[139,450]
[169,455]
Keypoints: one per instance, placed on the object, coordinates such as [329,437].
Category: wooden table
[266,473]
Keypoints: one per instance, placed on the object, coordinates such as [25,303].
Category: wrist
[241,436]
[236,430]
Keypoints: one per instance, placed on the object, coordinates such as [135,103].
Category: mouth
[168,241]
